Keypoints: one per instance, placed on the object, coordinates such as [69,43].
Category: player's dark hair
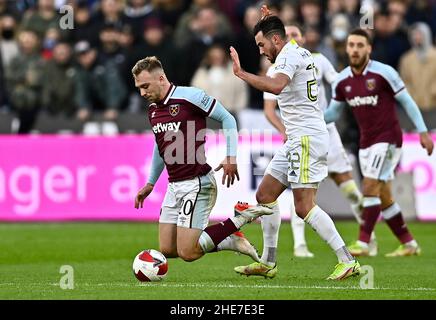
[269,26]
[361,32]
[148,64]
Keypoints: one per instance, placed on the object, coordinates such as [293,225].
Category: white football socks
[227,244]
[351,191]
[321,222]
[205,242]
[298,226]
[270,228]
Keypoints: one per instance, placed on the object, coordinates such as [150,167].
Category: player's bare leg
[191,243]
[298,226]
[371,189]
[188,247]
[321,223]
[351,192]
[267,193]
[391,213]
[300,246]
[168,240]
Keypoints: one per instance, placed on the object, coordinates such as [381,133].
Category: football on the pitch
[150,265]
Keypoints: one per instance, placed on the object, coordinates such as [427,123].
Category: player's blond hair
[148,64]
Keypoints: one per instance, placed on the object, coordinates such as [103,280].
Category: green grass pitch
[101,255]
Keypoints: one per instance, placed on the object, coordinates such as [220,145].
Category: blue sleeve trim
[333,111]
[412,110]
[389,74]
[195,96]
[228,123]
[157,166]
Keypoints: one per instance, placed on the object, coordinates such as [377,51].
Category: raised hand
[236,63]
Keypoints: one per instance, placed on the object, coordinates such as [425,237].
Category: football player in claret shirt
[372,90]
[178,119]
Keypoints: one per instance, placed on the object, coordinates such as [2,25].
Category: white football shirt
[298,101]
[324,72]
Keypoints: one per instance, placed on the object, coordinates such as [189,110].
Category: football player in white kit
[302,161]
[339,166]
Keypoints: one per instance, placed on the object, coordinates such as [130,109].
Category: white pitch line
[181,285]
[221,286]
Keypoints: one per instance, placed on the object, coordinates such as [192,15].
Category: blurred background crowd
[79,80]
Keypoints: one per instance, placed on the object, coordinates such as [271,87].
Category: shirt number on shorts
[187,207]
[294,160]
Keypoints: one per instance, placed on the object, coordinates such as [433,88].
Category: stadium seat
[53,124]
[130,122]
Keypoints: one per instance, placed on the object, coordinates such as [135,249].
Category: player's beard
[358,63]
[154,97]
[272,57]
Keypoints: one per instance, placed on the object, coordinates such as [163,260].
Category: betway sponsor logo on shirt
[363,101]
[164,127]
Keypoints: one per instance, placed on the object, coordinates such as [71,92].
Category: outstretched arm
[274,85]
[412,110]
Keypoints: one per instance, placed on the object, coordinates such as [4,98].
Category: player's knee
[168,252]
[187,255]
[371,187]
[263,197]
[302,208]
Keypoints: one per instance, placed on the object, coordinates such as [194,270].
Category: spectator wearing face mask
[8,50]
[339,27]
[52,37]
[215,77]
[8,44]
[418,67]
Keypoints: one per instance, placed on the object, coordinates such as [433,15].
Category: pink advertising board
[415,159]
[62,178]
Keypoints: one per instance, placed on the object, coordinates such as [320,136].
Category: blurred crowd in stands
[79,79]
